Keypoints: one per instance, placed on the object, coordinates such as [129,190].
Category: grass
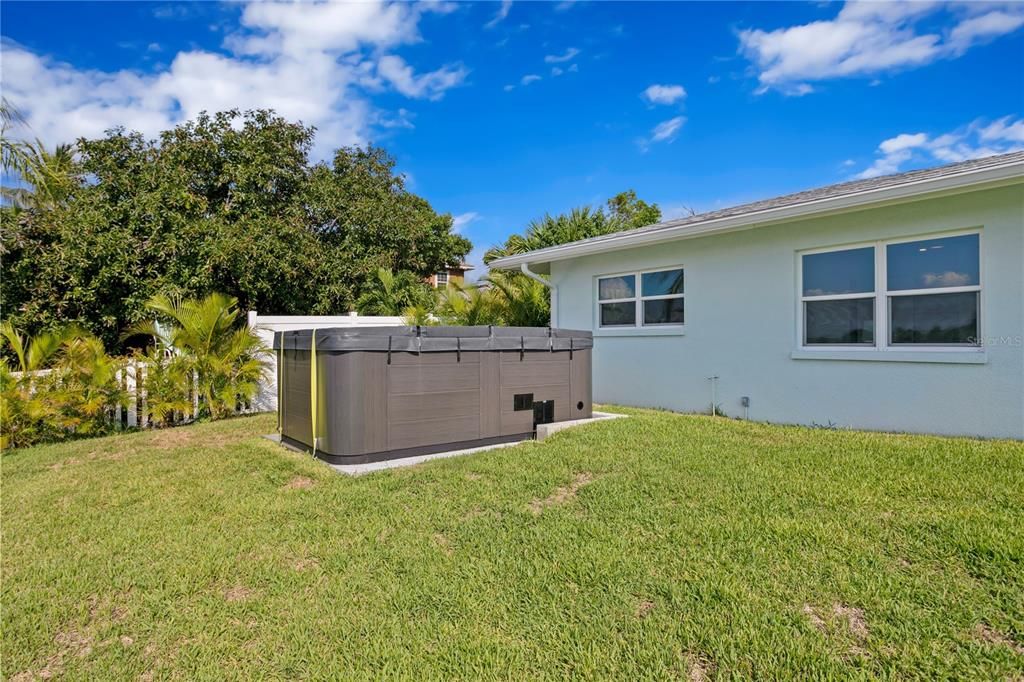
[657,546]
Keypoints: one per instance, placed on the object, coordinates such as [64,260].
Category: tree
[226,202]
[62,384]
[44,178]
[393,294]
[468,305]
[27,415]
[359,206]
[627,209]
[625,212]
[521,301]
[227,360]
[13,155]
[526,301]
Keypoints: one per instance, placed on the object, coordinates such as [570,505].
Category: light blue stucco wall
[741,308]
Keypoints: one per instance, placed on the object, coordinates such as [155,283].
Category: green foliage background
[229,203]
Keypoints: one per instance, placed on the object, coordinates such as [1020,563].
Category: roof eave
[975,180]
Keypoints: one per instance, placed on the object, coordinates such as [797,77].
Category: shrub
[227,361]
[62,385]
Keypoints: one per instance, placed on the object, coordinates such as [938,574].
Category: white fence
[135,412]
[267,325]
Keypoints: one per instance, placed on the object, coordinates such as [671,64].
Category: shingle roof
[680,226]
[853,187]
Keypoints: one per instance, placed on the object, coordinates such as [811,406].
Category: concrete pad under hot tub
[543,431]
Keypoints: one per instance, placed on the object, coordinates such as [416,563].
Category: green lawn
[657,546]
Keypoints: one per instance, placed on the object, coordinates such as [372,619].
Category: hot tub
[357,395]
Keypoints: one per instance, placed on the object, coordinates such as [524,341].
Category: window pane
[933,263]
[663,311]
[935,318]
[661,283]
[618,314]
[616,287]
[839,272]
[847,321]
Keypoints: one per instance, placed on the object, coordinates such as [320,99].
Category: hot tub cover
[435,339]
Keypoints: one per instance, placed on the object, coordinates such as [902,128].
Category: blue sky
[499,112]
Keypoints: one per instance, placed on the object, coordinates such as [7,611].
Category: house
[893,303]
[452,274]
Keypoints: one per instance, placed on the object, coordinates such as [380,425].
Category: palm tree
[167,381]
[579,223]
[62,383]
[392,293]
[46,178]
[27,415]
[419,316]
[85,384]
[228,361]
[521,301]
[468,304]
[12,152]
[33,354]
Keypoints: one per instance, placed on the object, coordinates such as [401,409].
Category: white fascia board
[969,181]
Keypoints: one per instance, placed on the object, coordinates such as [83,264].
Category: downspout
[525,268]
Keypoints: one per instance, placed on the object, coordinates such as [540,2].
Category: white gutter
[985,178]
[525,268]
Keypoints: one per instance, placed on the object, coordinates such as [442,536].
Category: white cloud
[901,143]
[985,26]
[460,221]
[573,68]
[972,141]
[664,94]
[299,29]
[430,85]
[867,38]
[401,119]
[506,5]
[1003,129]
[509,88]
[666,131]
[569,55]
[529,78]
[556,71]
[310,62]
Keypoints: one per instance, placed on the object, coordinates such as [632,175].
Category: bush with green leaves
[167,383]
[62,385]
[228,361]
[467,305]
[392,293]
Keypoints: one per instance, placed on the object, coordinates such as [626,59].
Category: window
[441,279]
[899,294]
[641,299]
[934,288]
[839,297]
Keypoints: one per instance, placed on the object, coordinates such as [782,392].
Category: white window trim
[638,326]
[438,281]
[881,296]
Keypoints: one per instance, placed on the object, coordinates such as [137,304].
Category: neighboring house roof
[992,171]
